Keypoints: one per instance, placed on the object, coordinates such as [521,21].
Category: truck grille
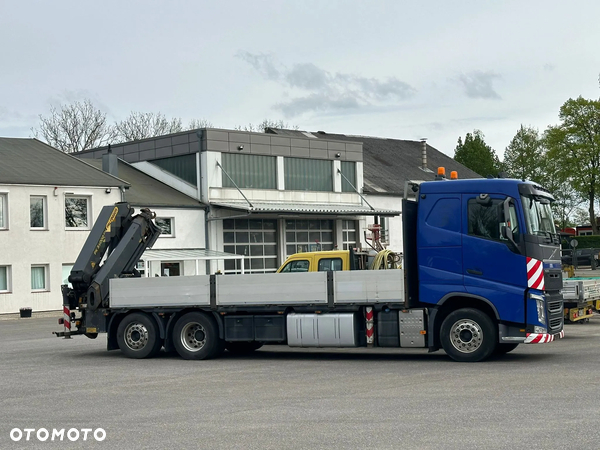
[555,314]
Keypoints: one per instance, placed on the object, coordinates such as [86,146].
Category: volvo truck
[481,274]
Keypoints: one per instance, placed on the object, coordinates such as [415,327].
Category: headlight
[540,303]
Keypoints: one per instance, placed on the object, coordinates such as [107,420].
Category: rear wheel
[468,335]
[138,337]
[196,336]
[242,348]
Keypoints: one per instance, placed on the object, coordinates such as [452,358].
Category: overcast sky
[395,69]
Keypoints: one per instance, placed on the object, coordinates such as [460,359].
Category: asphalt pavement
[539,396]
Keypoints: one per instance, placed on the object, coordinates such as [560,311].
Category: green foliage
[587,241]
[475,154]
[523,158]
[575,143]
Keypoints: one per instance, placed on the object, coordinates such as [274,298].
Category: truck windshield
[538,216]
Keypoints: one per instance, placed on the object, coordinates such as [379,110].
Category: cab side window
[327,264]
[296,266]
[485,219]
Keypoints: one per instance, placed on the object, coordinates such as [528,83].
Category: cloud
[317,90]
[479,84]
[262,63]
[316,102]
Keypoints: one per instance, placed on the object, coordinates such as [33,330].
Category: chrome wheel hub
[193,337]
[136,336]
[466,336]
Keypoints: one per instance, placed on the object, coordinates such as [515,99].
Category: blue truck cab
[483,247]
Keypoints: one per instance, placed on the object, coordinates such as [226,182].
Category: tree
[75,127]
[199,123]
[523,157]
[553,178]
[267,123]
[576,143]
[146,125]
[475,154]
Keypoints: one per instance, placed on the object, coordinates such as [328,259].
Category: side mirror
[506,233]
[505,229]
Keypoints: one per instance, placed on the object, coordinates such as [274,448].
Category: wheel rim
[466,336]
[193,336]
[136,336]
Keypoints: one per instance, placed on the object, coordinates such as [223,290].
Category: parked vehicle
[584,257]
[323,261]
[581,297]
[481,274]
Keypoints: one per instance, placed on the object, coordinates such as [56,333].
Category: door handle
[474,272]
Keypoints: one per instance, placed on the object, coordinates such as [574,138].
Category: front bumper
[542,338]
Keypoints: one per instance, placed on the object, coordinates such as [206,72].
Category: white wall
[20,246]
[395,223]
[188,234]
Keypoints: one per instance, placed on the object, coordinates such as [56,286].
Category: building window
[249,171]
[66,271]
[4,279]
[37,212]
[348,234]
[308,174]
[141,267]
[166,225]
[348,169]
[3,211]
[308,236]
[255,239]
[77,212]
[170,269]
[39,276]
[183,166]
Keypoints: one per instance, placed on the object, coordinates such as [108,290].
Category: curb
[34,315]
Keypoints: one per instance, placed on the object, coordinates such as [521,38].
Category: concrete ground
[539,396]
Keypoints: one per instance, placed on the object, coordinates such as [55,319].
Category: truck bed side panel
[272,289]
[369,286]
[159,291]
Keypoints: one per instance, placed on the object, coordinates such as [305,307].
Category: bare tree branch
[75,127]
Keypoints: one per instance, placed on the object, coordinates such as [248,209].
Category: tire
[503,349]
[242,348]
[196,336]
[468,335]
[138,337]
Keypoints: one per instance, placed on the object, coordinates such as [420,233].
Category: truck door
[493,267]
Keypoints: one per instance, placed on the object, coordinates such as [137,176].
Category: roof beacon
[441,173]
[454,175]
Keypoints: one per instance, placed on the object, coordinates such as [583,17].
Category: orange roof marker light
[441,173]
[454,175]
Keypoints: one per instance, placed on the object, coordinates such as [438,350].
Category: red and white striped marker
[67,319]
[535,274]
[542,338]
[370,325]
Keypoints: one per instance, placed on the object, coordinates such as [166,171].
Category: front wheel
[137,336]
[468,335]
[196,336]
